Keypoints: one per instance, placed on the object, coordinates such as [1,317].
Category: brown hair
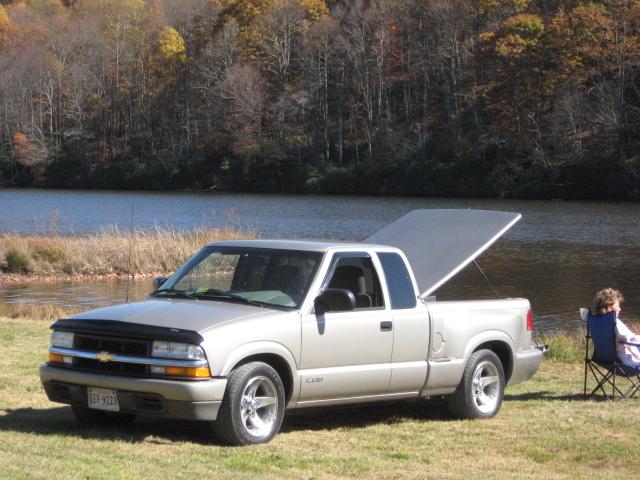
[606,298]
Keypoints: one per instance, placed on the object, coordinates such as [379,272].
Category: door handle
[386,326]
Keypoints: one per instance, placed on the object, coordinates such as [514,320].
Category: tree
[172,47]
[5,27]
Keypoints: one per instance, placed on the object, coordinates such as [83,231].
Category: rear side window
[398,281]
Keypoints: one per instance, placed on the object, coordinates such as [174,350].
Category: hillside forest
[496,98]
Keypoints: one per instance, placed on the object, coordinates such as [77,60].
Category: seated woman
[609,300]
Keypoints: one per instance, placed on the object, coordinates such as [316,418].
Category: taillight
[529,320]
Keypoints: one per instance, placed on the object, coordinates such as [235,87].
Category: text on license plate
[102,399]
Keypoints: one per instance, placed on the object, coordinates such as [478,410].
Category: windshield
[264,277]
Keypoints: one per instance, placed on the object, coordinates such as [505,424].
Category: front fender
[263,348]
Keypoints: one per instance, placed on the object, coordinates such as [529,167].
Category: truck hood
[439,243]
[195,315]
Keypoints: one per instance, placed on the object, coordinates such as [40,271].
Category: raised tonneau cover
[439,243]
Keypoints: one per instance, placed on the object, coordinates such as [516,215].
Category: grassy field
[105,253]
[544,430]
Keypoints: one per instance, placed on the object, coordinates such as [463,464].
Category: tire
[253,406]
[481,389]
[90,417]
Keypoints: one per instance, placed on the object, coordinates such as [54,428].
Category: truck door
[348,354]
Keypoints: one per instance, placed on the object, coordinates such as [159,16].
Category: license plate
[102,399]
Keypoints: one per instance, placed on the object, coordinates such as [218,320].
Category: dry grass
[544,430]
[105,253]
[46,312]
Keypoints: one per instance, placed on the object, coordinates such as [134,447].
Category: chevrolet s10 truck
[248,328]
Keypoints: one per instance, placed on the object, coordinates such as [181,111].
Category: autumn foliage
[438,97]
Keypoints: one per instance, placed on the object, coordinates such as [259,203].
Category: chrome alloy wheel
[486,387]
[259,406]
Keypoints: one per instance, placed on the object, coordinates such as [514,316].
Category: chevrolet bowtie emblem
[104,357]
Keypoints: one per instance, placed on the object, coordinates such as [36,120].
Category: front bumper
[191,400]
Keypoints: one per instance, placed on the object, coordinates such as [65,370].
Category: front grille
[118,368]
[117,345]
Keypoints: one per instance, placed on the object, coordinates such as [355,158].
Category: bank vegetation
[108,253]
[510,98]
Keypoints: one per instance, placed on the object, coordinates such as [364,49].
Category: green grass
[17,260]
[544,430]
[565,347]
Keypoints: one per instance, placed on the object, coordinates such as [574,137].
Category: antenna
[126,300]
[495,292]
[535,338]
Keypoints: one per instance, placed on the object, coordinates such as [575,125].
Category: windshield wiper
[215,294]
[173,291]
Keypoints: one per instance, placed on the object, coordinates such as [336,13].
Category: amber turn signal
[55,358]
[193,372]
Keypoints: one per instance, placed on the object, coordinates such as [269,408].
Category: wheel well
[503,351]
[276,362]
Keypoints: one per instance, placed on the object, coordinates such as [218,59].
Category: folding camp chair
[602,361]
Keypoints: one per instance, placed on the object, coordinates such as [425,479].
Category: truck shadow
[544,395]
[361,416]
[60,421]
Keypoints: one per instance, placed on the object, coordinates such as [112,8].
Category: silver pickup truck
[246,329]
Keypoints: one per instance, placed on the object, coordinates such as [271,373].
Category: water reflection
[76,294]
[557,256]
[557,277]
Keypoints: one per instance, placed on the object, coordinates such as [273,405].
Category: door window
[357,274]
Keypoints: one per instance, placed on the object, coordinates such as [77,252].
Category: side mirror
[334,300]
[158,281]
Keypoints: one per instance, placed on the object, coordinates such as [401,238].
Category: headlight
[62,339]
[183,351]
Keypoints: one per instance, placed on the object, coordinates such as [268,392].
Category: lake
[558,255]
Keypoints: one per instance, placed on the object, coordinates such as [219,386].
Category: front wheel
[481,389]
[253,405]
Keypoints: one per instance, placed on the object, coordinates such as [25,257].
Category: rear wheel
[253,405]
[481,389]
[90,417]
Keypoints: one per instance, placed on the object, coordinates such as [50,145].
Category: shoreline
[12,279]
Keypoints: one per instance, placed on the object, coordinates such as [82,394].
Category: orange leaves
[519,34]
[27,153]
[489,6]
[315,9]
[46,8]
[5,27]
[583,38]
[20,143]
[256,16]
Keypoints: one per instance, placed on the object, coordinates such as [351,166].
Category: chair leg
[584,390]
[607,378]
[633,388]
[602,378]
[614,385]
